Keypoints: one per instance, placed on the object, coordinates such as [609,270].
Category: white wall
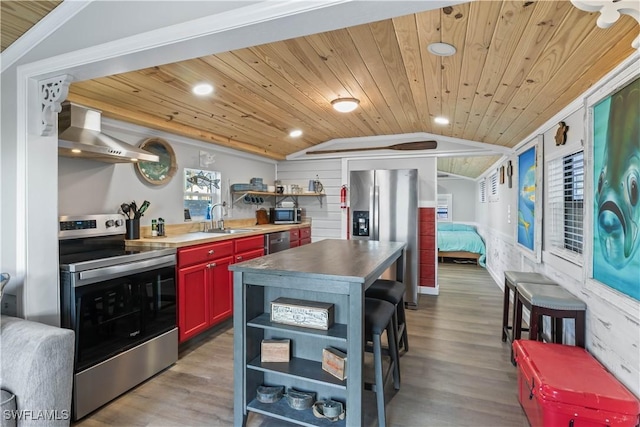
[463,194]
[427,171]
[613,319]
[87,186]
[325,211]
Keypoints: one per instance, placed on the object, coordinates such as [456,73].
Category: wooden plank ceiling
[17,17]
[517,64]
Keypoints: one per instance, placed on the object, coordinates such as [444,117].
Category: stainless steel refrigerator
[384,206]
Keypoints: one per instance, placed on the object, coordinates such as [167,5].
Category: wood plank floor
[456,373]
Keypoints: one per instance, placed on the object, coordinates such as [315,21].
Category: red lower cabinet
[305,235]
[205,287]
[205,296]
[247,248]
[299,237]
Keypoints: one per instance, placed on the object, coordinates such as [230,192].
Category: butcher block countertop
[188,234]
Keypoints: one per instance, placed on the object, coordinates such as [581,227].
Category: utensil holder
[133,229]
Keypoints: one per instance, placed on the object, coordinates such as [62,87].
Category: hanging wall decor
[561,133]
[529,224]
[157,173]
[616,190]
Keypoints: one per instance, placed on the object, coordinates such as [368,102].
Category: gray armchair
[37,369]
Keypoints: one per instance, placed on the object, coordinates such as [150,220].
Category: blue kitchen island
[328,271]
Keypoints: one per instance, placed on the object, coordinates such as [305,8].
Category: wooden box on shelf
[275,350]
[334,362]
[297,312]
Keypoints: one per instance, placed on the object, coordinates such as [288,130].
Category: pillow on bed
[450,226]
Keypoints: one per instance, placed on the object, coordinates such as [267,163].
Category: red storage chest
[560,385]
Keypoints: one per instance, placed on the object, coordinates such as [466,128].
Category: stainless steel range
[121,304]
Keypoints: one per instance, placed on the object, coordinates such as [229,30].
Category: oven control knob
[110,223]
[119,222]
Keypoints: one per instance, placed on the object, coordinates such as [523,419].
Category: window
[443,209]
[483,191]
[201,187]
[566,201]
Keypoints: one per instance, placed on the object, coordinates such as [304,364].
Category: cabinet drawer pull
[238,258]
[213,264]
[211,252]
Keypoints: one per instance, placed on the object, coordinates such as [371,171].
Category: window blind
[566,200]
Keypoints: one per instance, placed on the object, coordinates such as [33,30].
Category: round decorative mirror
[161,172]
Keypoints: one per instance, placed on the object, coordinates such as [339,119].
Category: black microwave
[285,215]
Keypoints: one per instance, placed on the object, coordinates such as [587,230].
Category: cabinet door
[294,234]
[246,256]
[221,290]
[305,233]
[193,301]
[294,243]
[305,241]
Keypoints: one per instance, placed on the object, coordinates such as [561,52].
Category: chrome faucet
[221,222]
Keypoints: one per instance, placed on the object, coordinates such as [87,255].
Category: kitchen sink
[229,230]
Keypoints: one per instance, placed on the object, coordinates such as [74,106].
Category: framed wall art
[161,172]
[529,224]
[614,133]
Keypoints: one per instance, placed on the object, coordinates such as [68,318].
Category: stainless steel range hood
[80,135]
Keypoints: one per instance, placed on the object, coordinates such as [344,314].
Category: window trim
[557,193]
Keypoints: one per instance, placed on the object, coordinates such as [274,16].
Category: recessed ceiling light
[345,105]
[295,133]
[441,49]
[441,120]
[76,150]
[202,89]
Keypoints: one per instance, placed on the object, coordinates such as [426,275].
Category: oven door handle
[130,268]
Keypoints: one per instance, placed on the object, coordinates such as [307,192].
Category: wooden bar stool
[552,301]
[511,281]
[393,292]
[378,316]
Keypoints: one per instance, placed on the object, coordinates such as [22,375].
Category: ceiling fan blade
[405,146]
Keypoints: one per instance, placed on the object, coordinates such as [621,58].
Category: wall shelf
[279,197]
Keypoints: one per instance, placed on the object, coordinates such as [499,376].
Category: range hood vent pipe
[80,135]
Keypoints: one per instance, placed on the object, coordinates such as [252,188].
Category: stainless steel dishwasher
[276,242]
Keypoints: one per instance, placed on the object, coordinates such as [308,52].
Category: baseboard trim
[428,290]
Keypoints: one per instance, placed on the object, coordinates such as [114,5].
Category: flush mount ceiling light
[441,120]
[441,49]
[202,89]
[295,133]
[345,105]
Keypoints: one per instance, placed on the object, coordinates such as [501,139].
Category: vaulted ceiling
[517,64]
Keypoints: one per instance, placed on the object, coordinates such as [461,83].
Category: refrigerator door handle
[372,214]
[376,213]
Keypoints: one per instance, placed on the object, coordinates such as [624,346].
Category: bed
[460,241]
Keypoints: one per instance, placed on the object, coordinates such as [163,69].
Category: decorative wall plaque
[161,172]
